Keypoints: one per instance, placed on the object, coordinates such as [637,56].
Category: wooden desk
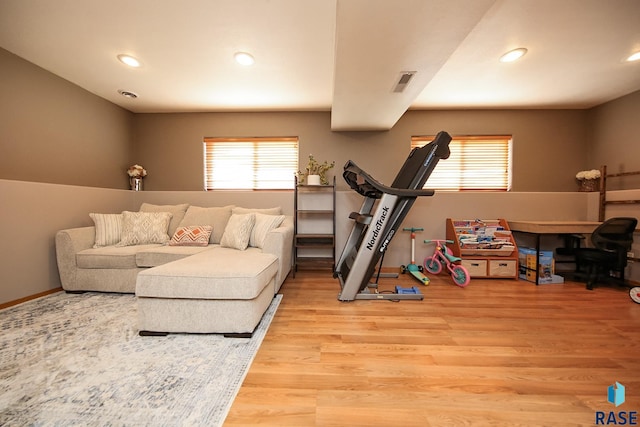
[539,228]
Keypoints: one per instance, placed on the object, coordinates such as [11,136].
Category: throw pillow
[141,228]
[177,211]
[191,236]
[266,211]
[108,229]
[263,225]
[216,217]
[238,231]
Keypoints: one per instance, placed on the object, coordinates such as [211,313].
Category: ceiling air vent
[128,94]
[405,78]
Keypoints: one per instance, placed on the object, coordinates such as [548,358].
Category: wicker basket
[589,184]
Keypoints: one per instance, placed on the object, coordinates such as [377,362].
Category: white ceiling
[345,56]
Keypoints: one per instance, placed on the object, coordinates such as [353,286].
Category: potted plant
[588,179]
[315,172]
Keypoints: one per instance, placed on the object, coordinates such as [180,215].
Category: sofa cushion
[214,274]
[177,211]
[108,229]
[238,231]
[159,255]
[216,217]
[267,211]
[110,256]
[139,228]
[192,235]
[263,225]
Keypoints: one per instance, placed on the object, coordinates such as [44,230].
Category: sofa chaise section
[211,292]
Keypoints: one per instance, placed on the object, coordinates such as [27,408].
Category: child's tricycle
[443,256]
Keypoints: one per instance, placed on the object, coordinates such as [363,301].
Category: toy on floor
[634,293]
[411,290]
[442,256]
[413,268]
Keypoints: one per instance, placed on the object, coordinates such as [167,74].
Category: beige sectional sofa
[183,285]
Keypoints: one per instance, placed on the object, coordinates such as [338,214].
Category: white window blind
[475,163]
[250,163]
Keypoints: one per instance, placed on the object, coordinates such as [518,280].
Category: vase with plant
[588,179]
[315,168]
[136,174]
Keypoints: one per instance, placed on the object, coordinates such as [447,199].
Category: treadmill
[381,214]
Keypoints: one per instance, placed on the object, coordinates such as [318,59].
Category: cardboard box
[529,276]
[527,266]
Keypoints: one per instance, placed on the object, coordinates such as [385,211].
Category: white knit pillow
[140,228]
[108,229]
[238,231]
[177,211]
[264,224]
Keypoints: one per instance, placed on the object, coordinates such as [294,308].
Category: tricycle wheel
[433,265]
[460,276]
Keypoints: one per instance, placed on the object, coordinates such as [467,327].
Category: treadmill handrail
[351,171]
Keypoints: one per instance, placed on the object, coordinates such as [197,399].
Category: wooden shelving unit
[499,263]
[604,176]
[315,227]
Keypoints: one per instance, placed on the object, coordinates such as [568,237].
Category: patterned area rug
[78,360]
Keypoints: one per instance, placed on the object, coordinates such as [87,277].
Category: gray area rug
[78,360]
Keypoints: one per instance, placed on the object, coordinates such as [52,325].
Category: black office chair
[611,240]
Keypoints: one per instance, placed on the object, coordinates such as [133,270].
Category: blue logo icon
[615,394]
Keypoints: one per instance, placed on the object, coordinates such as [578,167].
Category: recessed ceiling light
[128,94]
[129,60]
[513,55]
[634,57]
[244,58]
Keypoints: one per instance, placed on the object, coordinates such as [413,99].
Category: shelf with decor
[314,226]
[486,246]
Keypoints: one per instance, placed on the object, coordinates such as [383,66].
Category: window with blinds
[475,163]
[250,163]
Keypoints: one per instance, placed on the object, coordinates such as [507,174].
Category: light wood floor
[499,352]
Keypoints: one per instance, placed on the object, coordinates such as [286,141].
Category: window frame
[254,166]
[502,143]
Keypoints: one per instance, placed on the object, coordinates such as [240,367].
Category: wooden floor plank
[497,353]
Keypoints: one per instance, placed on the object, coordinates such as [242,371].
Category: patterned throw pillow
[177,211]
[197,235]
[264,224]
[141,228]
[238,231]
[108,229]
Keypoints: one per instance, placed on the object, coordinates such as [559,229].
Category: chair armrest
[279,242]
[68,243]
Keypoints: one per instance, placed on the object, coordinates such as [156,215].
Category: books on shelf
[481,236]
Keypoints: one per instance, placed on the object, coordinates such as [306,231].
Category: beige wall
[615,127]
[549,146]
[53,131]
[31,214]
